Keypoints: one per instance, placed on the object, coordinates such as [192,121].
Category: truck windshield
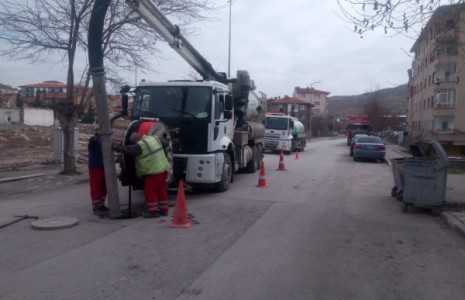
[172,102]
[276,123]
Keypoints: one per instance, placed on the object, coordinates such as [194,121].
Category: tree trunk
[67,115]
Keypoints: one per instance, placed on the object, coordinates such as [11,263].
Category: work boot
[149,215]
[102,211]
[163,213]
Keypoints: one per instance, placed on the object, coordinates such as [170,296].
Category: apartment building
[437,81]
[319,99]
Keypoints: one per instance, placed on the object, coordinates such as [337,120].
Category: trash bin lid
[440,152]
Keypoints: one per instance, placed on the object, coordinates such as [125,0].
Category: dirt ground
[24,147]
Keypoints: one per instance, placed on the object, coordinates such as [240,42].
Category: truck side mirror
[228,102]
[291,124]
[124,104]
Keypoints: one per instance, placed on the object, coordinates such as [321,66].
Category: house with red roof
[7,96]
[48,91]
[53,91]
[318,98]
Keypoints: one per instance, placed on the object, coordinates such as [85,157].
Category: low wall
[10,116]
[38,117]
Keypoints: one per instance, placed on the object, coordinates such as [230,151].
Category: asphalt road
[326,228]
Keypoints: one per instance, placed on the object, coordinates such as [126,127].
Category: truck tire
[159,130]
[226,177]
[302,146]
[253,163]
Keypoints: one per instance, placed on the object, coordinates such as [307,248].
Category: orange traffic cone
[180,219]
[296,154]
[262,181]
[281,163]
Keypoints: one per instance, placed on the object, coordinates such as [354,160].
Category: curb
[453,223]
[20,177]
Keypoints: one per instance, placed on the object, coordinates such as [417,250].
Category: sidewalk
[453,212]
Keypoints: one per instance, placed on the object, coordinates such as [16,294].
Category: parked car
[370,147]
[353,142]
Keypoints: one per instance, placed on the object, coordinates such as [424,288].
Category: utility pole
[229,47]
[100,94]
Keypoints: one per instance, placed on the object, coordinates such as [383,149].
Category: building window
[281,108]
[447,48]
[450,24]
[445,125]
[317,103]
[445,98]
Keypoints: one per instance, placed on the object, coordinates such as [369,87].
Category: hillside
[394,99]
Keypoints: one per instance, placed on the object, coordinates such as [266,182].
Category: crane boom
[172,35]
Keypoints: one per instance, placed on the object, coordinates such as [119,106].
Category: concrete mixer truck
[212,128]
[284,133]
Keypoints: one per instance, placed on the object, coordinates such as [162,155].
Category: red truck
[357,124]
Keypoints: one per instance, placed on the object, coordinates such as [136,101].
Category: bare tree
[317,125]
[379,115]
[40,29]
[391,16]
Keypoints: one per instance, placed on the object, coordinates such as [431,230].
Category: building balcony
[444,105]
[450,78]
[443,131]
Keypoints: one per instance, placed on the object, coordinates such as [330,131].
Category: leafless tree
[380,117]
[42,29]
[390,16]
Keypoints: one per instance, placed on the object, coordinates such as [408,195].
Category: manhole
[134,214]
[54,223]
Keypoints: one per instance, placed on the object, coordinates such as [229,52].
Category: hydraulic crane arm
[172,35]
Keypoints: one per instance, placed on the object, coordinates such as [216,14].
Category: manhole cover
[54,223]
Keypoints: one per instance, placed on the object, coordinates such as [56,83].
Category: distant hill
[394,99]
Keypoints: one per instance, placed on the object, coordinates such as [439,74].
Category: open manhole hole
[126,214]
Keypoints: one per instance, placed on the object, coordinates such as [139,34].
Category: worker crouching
[153,166]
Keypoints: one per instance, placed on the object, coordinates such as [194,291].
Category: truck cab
[284,133]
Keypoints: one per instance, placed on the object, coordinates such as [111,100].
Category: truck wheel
[302,146]
[252,164]
[226,177]
[159,130]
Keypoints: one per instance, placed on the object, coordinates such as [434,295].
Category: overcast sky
[283,44]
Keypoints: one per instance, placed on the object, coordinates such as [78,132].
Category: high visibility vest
[152,160]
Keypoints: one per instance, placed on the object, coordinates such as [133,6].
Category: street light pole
[229,47]
[311,84]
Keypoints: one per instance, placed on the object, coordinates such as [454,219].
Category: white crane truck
[214,127]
